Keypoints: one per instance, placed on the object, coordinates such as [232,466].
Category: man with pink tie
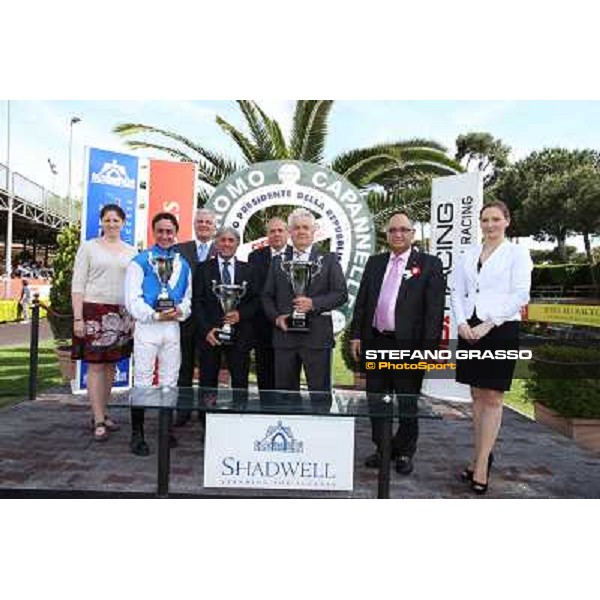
[400,304]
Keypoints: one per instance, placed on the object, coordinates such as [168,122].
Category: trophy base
[164,305]
[224,337]
[297,325]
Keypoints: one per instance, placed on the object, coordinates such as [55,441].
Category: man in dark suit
[208,313]
[260,260]
[327,291]
[400,303]
[195,252]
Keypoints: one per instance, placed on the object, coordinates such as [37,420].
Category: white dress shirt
[500,288]
[303,255]
[280,252]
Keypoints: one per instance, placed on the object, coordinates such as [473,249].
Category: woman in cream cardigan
[102,329]
[490,284]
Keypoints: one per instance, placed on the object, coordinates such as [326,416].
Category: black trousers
[189,350]
[404,441]
[238,363]
[265,367]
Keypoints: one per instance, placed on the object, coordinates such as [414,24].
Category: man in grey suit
[195,252]
[327,291]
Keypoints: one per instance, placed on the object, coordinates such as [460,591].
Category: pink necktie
[386,306]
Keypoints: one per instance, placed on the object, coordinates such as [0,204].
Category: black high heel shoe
[467,474]
[478,487]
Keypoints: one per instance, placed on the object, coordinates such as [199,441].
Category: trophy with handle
[300,273]
[163,267]
[229,296]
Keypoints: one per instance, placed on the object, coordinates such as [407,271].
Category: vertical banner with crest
[455,204]
[111,178]
[172,189]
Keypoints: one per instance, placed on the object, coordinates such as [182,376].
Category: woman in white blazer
[490,284]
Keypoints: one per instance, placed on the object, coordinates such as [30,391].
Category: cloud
[480,115]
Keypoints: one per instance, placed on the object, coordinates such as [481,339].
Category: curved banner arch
[344,216]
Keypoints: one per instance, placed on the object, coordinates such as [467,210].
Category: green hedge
[346,350]
[565,275]
[574,398]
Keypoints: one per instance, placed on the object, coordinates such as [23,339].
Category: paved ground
[47,445]
[18,334]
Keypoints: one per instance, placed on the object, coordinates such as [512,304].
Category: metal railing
[33,193]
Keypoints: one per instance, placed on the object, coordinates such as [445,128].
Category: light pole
[9,216]
[74,120]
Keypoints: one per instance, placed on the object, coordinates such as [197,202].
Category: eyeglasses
[402,230]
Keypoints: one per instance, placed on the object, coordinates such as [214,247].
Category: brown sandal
[110,424]
[100,432]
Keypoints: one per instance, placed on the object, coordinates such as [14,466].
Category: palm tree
[392,168]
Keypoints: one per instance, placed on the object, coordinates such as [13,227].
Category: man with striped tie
[208,314]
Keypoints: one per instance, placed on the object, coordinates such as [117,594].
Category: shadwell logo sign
[279,438]
[270,452]
[114,174]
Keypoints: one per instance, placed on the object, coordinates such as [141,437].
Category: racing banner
[111,178]
[172,189]
[455,204]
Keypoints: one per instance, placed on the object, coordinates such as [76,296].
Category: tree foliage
[391,168]
[60,312]
[545,192]
[486,153]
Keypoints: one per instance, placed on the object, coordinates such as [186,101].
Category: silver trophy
[300,273]
[163,267]
[229,296]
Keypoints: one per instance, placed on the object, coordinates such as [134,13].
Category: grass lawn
[517,398]
[14,375]
[341,375]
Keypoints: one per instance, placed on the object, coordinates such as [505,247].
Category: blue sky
[40,129]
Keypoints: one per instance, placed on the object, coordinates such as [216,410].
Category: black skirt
[489,374]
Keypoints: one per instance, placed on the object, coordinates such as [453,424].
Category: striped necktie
[225,275]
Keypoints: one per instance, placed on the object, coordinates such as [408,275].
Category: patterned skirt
[108,334]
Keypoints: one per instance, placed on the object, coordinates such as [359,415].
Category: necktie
[385,317]
[225,276]
[202,248]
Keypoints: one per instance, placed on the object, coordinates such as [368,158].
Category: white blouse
[500,288]
[99,274]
